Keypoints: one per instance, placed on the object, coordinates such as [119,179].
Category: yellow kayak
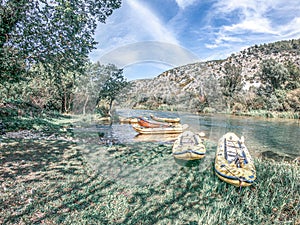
[188,146]
[233,163]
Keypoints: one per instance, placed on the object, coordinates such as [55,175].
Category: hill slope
[260,77]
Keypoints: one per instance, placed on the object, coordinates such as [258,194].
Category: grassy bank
[65,182]
[270,114]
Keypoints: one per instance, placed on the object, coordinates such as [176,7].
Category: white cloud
[256,25]
[148,22]
[132,23]
[185,3]
[211,46]
[290,30]
[254,20]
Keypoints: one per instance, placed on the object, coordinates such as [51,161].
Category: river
[262,136]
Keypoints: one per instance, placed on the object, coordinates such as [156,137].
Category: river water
[278,137]
[141,162]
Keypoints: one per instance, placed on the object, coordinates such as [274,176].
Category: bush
[293,99]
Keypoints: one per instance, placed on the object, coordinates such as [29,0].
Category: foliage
[274,74]
[113,86]
[278,80]
[44,46]
[294,76]
[293,99]
[88,86]
[231,82]
[280,46]
[55,33]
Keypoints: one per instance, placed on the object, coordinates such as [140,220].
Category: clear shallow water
[141,162]
[278,136]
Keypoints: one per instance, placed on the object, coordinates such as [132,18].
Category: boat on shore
[233,162]
[150,124]
[188,146]
[160,130]
[165,119]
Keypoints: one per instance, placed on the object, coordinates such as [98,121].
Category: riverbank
[269,114]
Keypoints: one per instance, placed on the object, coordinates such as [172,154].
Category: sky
[148,37]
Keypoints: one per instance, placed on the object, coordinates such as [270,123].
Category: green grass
[271,114]
[59,182]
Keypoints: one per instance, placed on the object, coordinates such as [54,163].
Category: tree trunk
[85,103]
[109,111]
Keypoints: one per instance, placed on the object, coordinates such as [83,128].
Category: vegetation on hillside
[260,78]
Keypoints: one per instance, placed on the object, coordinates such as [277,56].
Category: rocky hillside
[260,77]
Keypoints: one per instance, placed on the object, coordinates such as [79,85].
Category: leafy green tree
[53,86]
[231,83]
[274,74]
[294,76]
[88,86]
[53,32]
[113,86]
[53,35]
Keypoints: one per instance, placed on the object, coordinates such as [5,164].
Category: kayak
[233,162]
[188,146]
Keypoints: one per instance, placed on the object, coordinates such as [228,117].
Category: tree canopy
[113,86]
[52,32]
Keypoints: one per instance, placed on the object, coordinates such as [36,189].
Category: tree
[231,82]
[274,74]
[88,86]
[294,76]
[53,32]
[113,86]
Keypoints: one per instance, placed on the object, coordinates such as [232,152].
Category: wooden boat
[159,130]
[233,163]
[188,146]
[149,124]
[166,120]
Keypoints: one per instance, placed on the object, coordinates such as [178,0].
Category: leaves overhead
[53,32]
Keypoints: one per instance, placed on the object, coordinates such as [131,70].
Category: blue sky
[147,37]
